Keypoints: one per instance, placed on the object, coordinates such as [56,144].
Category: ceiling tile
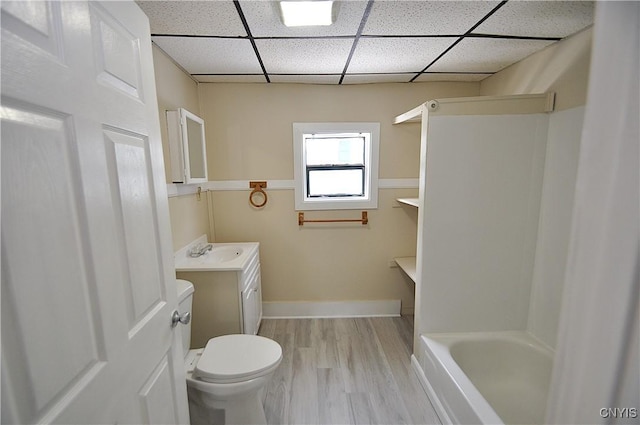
[539,18]
[391,55]
[400,38]
[306,79]
[263,18]
[304,56]
[486,54]
[377,78]
[443,76]
[211,55]
[425,17]
[253,78]
[193,17]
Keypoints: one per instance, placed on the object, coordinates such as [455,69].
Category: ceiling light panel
[486,54]
[304,56]
[393,55]
[425,17]
[307,13]
[264,20]
[193,17]
[539,18]
[211,55]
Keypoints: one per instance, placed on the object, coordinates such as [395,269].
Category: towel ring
[257,188]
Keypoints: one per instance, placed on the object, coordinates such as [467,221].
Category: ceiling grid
[371,41]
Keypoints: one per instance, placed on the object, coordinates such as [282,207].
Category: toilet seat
[236,358]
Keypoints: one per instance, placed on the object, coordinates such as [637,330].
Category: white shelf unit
[414,115]
[408,265]
[409,201]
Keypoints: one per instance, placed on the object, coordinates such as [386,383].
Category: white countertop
[210,261]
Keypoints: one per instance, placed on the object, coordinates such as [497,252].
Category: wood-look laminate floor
[345,371]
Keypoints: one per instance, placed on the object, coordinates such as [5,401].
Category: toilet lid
[231,358]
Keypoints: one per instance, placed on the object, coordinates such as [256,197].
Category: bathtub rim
[441,344]
[523,337]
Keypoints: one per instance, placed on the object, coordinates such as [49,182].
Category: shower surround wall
[480,201]
[554,226]
[496,195]
[496,224]
[562,68]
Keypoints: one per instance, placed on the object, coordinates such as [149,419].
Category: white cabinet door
[87,278]
[252,305]
[249,312]
[258,300]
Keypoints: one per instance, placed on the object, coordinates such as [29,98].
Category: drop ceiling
[372,41]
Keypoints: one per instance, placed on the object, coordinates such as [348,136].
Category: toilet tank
[185,300]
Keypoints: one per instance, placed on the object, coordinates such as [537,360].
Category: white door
[87,270]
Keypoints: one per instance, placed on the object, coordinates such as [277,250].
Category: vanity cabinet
[225,302]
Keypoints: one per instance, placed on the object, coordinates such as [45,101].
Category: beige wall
[175,90]
[323,262]
[249,136]
[562,67]
[189,217]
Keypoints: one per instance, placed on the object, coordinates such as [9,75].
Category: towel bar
[364,220]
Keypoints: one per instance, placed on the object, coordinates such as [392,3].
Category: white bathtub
[486,377]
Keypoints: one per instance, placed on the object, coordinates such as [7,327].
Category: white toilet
[225,380]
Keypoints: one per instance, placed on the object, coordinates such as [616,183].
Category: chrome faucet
[199,250]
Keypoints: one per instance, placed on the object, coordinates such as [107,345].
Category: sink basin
[222,254]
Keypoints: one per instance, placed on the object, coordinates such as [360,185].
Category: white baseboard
[308,309]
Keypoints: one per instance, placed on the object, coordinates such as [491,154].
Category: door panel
[154,394]
[117,53]
[128,162]
[38,23]
[33,142]
[88,286]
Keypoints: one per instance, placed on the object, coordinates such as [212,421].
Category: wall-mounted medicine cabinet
[187,147]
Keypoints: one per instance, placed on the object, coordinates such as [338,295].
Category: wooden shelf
[409,201]
[408,265]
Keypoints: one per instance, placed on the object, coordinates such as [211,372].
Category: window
[336,165]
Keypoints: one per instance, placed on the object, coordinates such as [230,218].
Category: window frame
[371,159]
